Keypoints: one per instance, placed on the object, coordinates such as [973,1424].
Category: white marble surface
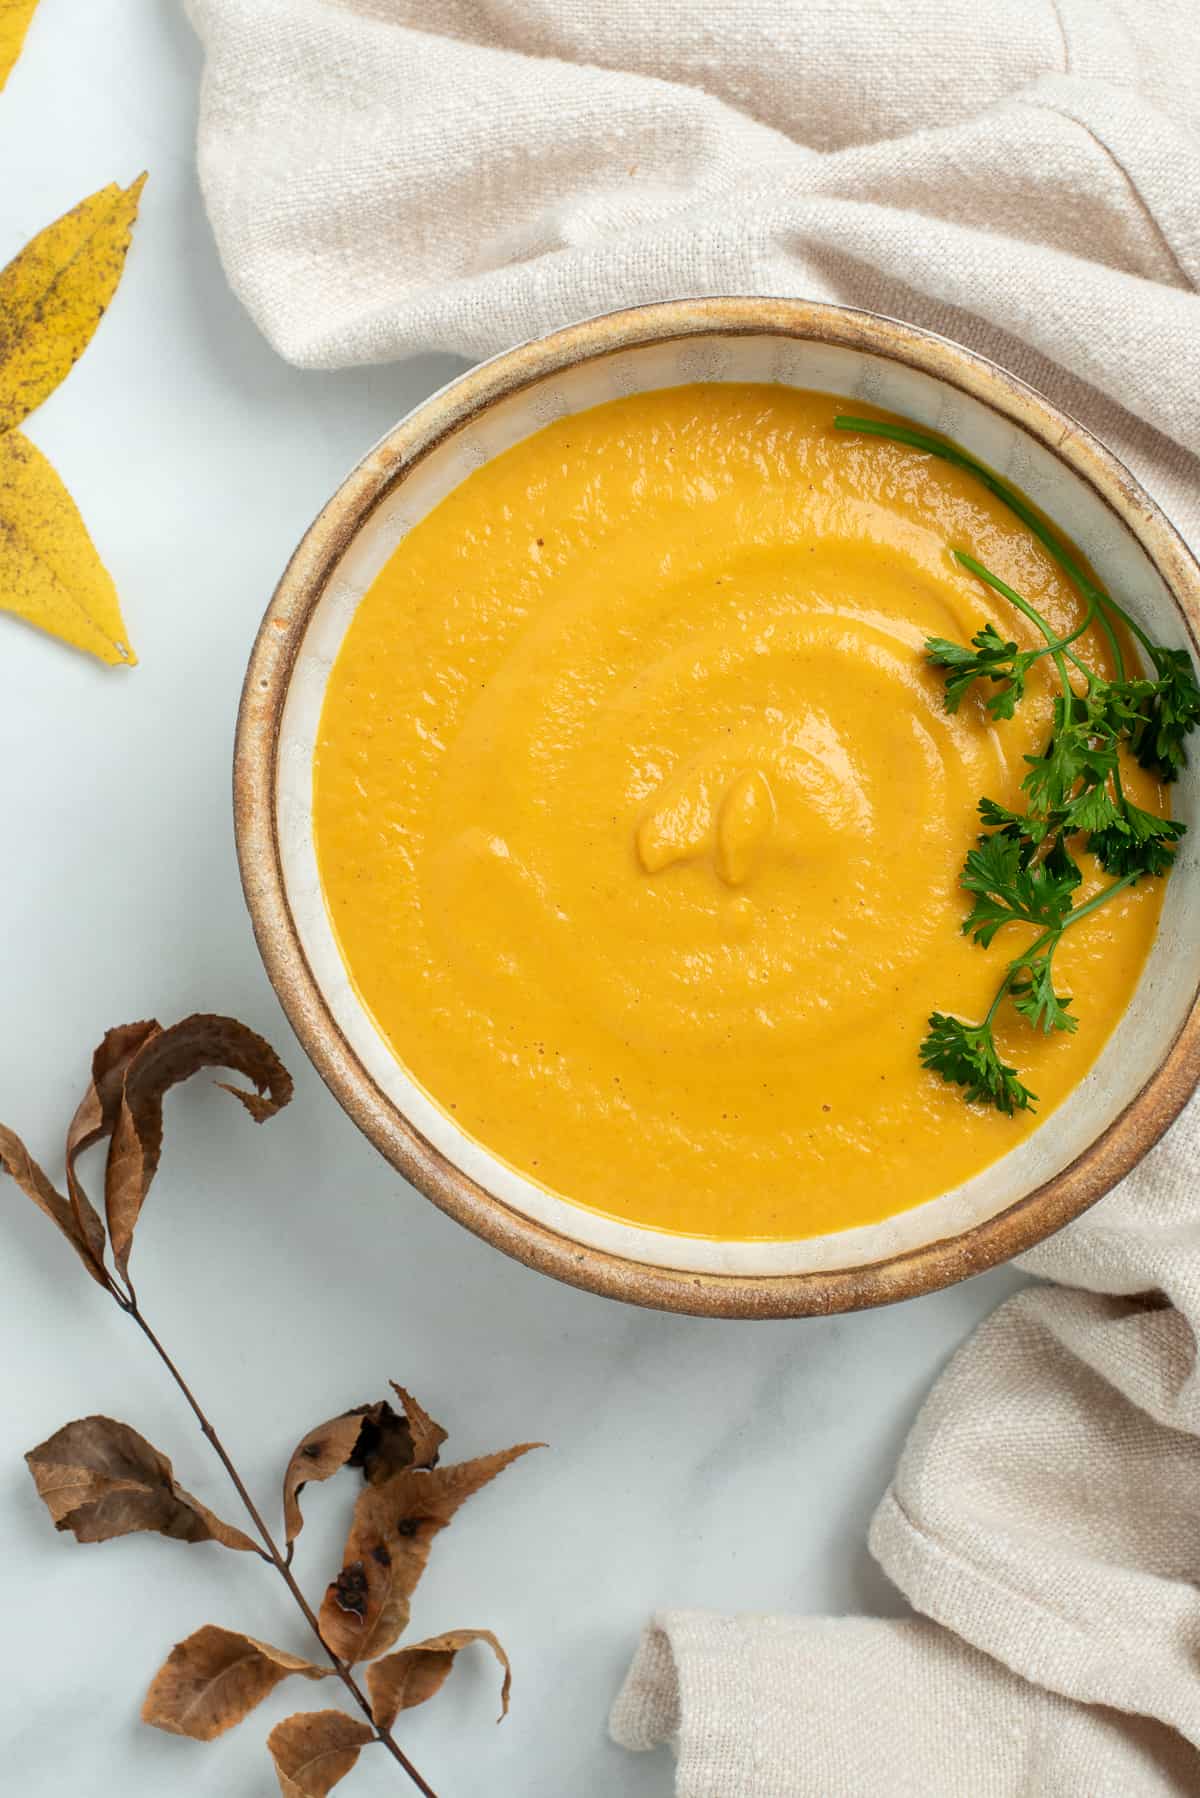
[691,1463]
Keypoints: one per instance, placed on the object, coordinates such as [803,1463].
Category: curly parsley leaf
[1024,829]
[1022,871]
[1034,997]
[966,1055]
[1010,889]
[1081,748]
[990,657]
[1136,842]
[1093,808]
[1169,712]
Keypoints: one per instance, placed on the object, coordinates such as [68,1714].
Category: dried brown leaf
[366,1607]
[321,1454]
[96,1116]
[100,1479]
[427,1436]
[162,1062]
[385,1446]
[16,1161]
[416,1673]
[313,1750]
[215,1678]
[372,1438]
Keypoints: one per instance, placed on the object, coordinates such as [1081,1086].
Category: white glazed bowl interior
[1164,994]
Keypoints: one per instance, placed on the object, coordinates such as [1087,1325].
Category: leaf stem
[948,452]
[1003,987]
[271,1551]
[1080,912]
[1055,645]
[1067,783]
[1050,940]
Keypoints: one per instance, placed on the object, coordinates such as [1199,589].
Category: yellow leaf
[14,23]
[50,573]
[54,293]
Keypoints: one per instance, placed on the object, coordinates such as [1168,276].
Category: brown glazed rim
[1054,1203]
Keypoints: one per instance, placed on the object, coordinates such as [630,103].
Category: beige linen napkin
[1045,1515]
[388,175]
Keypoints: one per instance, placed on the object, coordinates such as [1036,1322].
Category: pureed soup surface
[640,818]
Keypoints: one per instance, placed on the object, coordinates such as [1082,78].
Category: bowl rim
[925,1268]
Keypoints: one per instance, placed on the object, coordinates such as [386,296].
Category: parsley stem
[1003,987]
[1023,871]
[948,452]
[1050,939]
[1105,623]
[1080,912]
[1055,645]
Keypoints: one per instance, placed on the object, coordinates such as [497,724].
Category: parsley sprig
[1023,869]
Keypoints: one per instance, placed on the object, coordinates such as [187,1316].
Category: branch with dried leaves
[100,1479]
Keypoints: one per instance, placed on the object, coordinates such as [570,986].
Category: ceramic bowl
[1151,1062]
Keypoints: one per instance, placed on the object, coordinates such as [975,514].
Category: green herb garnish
[1022,870]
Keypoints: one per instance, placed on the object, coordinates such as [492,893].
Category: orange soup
[640,816]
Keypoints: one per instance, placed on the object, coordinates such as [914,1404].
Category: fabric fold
[385,176]
[1043,1522]
[854,1708]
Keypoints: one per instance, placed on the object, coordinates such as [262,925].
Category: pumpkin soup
[640,813]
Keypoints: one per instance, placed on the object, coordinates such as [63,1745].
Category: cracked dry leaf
[15,18]
[214,1678]
[16,1161]
[51,574]
[100,1479]
[163,1061]
[385,1446]
[314,1750]
[366,1608]
[417,1673]
[54,293]
[372,1438]
[389,1443]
